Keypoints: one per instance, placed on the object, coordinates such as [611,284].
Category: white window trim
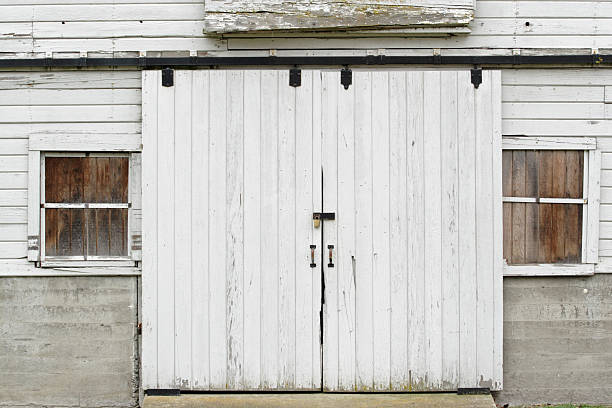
[64,147]
[590,201]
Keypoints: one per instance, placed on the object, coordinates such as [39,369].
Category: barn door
[412,169]
[231,177]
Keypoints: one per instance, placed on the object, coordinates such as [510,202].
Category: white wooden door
[231,177]
[412,169]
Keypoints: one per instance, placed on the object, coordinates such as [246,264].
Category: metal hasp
[477,77]
[346,77]
[167,77]
[473,391]
[295,77]
[323,216]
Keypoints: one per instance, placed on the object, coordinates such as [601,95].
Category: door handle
[331,256]
[312,256]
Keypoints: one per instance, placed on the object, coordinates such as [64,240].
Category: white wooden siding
[177,25]
[413,302]
[229,168]
[60,105]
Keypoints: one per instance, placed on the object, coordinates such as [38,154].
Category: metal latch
[318,216]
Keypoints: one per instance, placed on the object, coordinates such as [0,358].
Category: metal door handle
[331,256]
[312,256]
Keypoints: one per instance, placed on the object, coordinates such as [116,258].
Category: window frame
[590,202]
[53,146]
[45,260]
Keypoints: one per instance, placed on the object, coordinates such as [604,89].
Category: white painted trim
[86,142]
[34,241]
[86,205]
[548,143]
[592,220]
[25,268]
[544,200]
[549,270]
[80,263]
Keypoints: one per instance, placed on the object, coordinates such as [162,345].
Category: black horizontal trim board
[156,62]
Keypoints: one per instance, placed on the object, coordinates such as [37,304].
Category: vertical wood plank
[497,293]
[252,220]
[200,257]
[485,228]
[364,325]
[518,209]
[507,191]
[433,250]
[150,83]
[545,182]
[165,237]
[287,234]
[381,278]
[532,230]
[415,173]
[317,203]
[218,229]
[234,264]
[573,215]
[331,352]
[182,229]
[269,231]
[398,234]
[468,284]
[345,252]
[306,305]
[450,234]
[558,211]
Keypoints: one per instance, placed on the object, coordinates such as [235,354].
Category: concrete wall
[557,340]
[68,341]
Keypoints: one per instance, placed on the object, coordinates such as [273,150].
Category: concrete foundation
[73,341]
[557,340]
[69,342]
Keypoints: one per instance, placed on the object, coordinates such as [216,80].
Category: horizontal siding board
[70,113]
[70,97]
[530,93]
[118,142]
[608,94]
[13,163]
[13,215]
[556,110]
[557,77]
[13,146]
[548,127]
[24,130]
[9,250]
[118,29]
[13,232]
[9,181]
[98,79]
[13,198]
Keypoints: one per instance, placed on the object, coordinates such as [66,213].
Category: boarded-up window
[85,207]
[544,201]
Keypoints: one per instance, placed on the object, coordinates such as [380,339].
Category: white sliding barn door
[412,169]
[231,175]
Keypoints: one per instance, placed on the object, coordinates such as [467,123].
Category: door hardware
[331,256]
[312,256]
[318,216]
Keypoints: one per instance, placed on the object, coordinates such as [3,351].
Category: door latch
[331,256]
[318,216]
[313,264]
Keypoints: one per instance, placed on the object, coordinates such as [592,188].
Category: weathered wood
[247,16]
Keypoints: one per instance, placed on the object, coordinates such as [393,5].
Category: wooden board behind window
[95,232]
[543,233]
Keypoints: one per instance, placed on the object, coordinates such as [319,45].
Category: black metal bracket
[323,216]
[295,77]
[473,391]
[476,77]
[169,392]
[346,77]
[167,77]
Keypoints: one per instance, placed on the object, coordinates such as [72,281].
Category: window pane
[107,232]
[543,173]
[86,179]
[542,233]
[65,231]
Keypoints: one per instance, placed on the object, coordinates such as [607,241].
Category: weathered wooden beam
[233,16]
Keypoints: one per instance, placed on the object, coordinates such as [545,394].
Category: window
[550,201]
[84,207]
